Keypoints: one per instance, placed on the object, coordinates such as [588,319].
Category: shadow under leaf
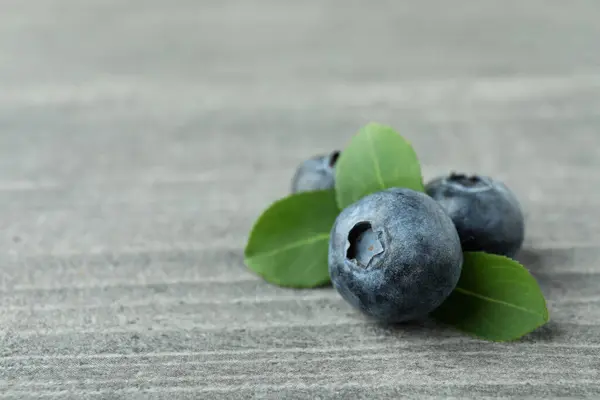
[547,333]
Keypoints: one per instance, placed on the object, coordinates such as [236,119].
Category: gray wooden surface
[140,139]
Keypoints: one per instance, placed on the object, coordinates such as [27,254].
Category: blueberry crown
[474,182]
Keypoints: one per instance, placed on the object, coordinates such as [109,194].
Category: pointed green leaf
[289,243]
[496,299]
[377,158]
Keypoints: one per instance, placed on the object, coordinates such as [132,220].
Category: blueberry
[486,213]
[395,255]
[316,173]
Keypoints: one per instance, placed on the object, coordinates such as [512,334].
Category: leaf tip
[374,124]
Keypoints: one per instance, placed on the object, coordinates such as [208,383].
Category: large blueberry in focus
[486,213]
[316,173]
[395,255]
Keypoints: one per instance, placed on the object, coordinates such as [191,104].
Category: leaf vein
[482,297]
[317,238]
[375,162]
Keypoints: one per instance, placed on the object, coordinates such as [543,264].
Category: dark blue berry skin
[395,255]
[316,173]
[486,213]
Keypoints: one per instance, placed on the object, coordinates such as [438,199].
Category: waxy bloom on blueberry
[316,173]
[395,255]
[486,213]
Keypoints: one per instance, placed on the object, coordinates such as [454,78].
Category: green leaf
[288,244]
[496,299]
[377,158]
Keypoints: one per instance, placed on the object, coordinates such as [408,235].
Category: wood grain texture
[139,141]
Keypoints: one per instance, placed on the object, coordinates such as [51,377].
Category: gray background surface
[140,139]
